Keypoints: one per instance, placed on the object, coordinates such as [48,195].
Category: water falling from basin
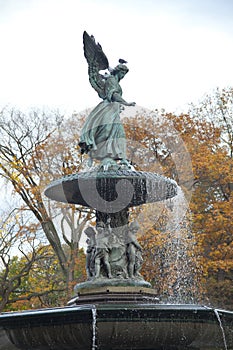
[94,313]
[180,256]
[222,329]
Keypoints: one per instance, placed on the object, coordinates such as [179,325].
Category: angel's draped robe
[103,130]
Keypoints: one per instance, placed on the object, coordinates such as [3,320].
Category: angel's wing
[97,61]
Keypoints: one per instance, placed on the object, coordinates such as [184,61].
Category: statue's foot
[109,163]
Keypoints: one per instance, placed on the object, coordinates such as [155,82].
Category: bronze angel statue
[103,135]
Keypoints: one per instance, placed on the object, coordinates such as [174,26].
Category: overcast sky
[177,50]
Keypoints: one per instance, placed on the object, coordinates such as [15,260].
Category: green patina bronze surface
[103,135]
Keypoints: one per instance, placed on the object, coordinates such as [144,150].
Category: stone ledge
[120,289]
[115,294]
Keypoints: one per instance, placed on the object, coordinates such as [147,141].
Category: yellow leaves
[225,265]
[212,200]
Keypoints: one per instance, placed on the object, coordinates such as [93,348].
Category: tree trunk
[54,240]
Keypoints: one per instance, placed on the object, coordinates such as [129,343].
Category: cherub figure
[133,251]
[90,253]
[103,248]
[103,135]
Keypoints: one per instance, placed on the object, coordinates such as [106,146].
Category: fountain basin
[119,326]
[118,188]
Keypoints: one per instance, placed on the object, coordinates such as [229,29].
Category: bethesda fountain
[115,308]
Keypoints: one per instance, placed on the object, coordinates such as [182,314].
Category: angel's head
[120,70]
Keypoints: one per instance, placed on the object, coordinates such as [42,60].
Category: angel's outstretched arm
[117,98]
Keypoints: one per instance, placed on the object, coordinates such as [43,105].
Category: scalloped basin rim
[124,326]
[147,187]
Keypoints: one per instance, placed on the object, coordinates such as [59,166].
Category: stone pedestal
[115,295]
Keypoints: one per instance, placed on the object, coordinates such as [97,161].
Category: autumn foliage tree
[213,204]
[20,251]
[35,149]
[206,132]
[44,285]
